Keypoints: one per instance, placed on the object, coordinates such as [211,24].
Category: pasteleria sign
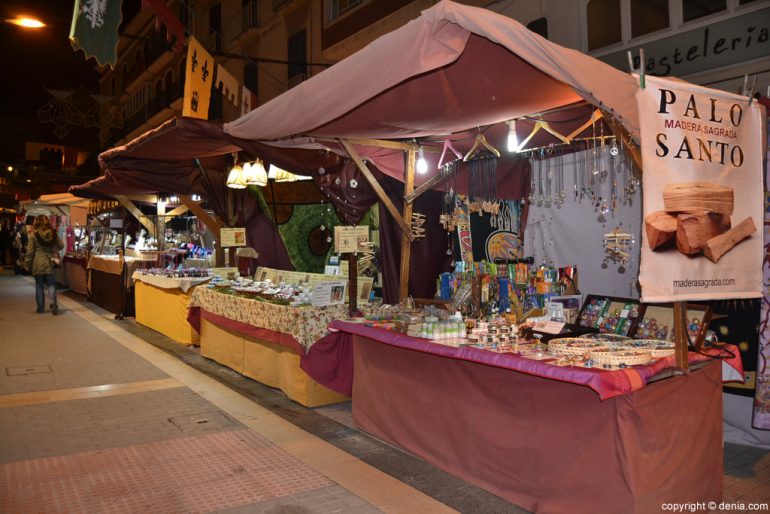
[703,194]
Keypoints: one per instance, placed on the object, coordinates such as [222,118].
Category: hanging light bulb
[513,138]
[422,164]
[235,177]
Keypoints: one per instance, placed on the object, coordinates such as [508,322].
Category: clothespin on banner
[745,88]
[640,69]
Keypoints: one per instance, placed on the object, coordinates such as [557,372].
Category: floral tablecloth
[306,324]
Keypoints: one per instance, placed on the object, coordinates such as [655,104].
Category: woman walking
[43,246]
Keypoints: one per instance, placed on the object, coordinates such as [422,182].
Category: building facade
[271,46]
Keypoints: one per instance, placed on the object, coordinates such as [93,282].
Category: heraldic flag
[198,80]
[95,29]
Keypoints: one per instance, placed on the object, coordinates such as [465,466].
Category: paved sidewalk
[93,419]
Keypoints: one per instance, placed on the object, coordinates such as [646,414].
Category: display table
[161,304]
[264,341]
[542,443]
[105,287]
[75,268]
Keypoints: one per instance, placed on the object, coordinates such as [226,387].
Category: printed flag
[228,84]
[248,101]
[95,29]
[199,76]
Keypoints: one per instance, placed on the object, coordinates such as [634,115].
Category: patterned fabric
[306,324]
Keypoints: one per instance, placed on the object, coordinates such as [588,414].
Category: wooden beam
[179,210]
[377,143]
[680,335]
[405,226]
[406,240]
[134,210]
[431,182]
[212,222]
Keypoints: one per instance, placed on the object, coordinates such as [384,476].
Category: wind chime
[617,248]
[418,226]
[449,170]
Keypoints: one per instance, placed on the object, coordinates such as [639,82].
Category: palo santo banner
[703,195]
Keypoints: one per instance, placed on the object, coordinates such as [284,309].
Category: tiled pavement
[169,439]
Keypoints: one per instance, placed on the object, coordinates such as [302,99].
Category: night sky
[34,60]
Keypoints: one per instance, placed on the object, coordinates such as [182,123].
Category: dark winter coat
[42,245]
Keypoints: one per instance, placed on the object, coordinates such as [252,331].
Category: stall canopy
[454,68]
[64,204]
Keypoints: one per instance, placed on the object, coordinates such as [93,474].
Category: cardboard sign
[329,293]
[548,327]
[232,237]
[349,239]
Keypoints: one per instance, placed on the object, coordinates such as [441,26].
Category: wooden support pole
[212,222]
[161,224]
[431,182]
[402,221]
[352,284]
[406,240]
[680,335]
[134,210]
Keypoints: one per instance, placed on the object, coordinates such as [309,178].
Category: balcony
[153,107]
[296,80]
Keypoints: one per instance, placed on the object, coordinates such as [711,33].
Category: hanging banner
[228,84]
[248,101]
[703,196]
[198,78]
[94,29]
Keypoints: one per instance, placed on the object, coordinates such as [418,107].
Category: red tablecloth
[607,383]
[545,445]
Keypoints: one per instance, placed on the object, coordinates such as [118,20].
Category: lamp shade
[257,176]
[235,178]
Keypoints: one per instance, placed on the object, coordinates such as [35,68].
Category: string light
[513,138]
[422,164]
[27,22]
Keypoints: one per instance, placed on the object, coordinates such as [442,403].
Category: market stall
[264,341]
[482,78]
[70,214]
[161,303]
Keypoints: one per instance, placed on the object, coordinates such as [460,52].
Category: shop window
[694,9]
[603,23]
[297,50]
[539,26]
[251,77]
[648,16]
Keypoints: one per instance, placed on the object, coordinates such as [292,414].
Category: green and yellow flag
[95,29]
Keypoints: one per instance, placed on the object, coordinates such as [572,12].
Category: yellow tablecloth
[164,310]
[271,364]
